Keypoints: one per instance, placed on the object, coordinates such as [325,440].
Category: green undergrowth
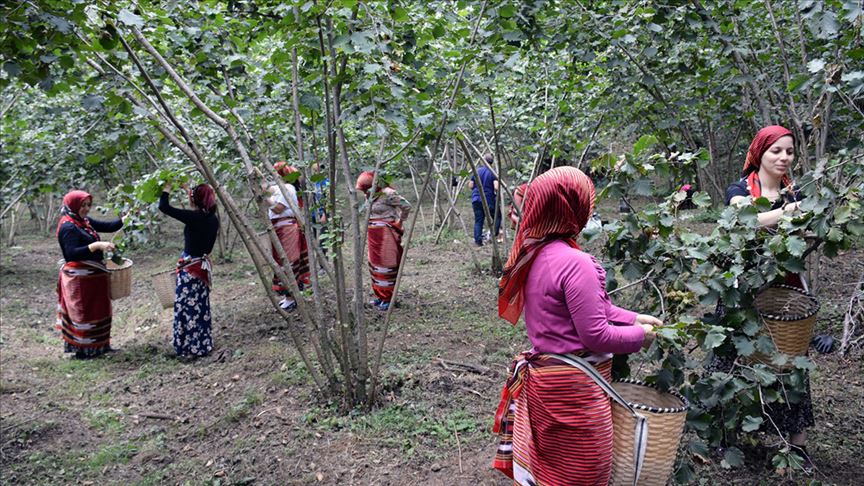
[244,407]
[108,420]
[62,468]
[78,376]
[409,427]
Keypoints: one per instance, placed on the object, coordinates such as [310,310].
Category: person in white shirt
[290,235]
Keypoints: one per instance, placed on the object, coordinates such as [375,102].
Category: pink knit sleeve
[584,288]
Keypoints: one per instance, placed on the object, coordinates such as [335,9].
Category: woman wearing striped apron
[554,421]
[388,210]
[291,237]
[83,290]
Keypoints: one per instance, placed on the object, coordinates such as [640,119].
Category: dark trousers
[480,220]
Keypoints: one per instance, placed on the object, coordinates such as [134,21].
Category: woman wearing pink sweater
[554,421]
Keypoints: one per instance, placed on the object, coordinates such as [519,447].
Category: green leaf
[644,142]
[842,214]
[400,14]
[733,457]
[816,65]
[796,245]
[776,244]
[751,424]
[743,345]
[642,187]
[702,199]
[696,287]
[803,363]
[796,82]
[764,376]
[506,10]
[126,17]
[751,327]
[714,338]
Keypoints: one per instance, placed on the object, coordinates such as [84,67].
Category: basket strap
[641,427]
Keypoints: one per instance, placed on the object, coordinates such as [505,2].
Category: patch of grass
[292,373]
[77,376]
[25,431]
[109,455]
[105,420]
[76,464]
[407,427]
[244,407]
[154,478]
[410,359]
[35,336]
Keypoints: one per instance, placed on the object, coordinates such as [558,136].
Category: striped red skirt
[385,253]
[84,308]
[294,243]
[554,424]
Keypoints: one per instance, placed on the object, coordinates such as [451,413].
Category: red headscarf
[364,181]
[283,169]
[556,207]
[764,139]
[203,197]
[72,203]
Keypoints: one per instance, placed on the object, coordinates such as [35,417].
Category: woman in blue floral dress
[192,318]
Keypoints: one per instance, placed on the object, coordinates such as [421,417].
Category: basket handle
[641,427]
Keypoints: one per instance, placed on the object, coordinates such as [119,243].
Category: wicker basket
[121,278]
[789,315]
[665,413]
[165,286]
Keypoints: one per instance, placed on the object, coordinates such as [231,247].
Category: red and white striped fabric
[554,424]
[385,253]
[84,305]
[294,243]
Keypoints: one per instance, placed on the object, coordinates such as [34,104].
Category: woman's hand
[647,323]
[101,246]
[167,188]
[649,320]
[649,335]
[792,207]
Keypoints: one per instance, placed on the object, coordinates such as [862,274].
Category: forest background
[121,97]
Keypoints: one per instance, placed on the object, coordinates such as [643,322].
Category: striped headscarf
[764,139]
[556,207]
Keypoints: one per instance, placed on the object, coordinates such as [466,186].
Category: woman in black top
[84,301]
[192,318]
[766,174]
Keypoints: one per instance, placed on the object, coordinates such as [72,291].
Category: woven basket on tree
[165,285]
[665,413]
[789,315]
[121,278]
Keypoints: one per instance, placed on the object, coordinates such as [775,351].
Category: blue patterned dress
[192,319]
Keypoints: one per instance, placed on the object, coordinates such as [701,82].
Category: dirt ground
[247,414]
